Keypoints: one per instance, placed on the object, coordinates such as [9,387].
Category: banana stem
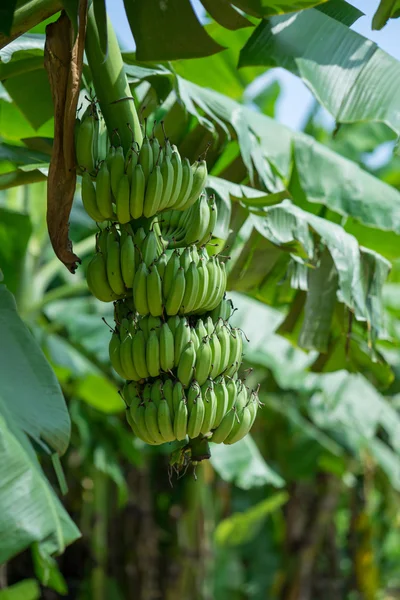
[200,449]
[110,82]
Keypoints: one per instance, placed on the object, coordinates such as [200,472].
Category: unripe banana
[181,338]
[114,274]
[137,192]
[225,343]
[128,261]
[165,421]
[139,354]
[122,200]
[210,406]
[196,411]
[177,167]
[126,359]
[153,194]
[235,354]
[203,361]
[156,149]
[142,429]
[221,395]
[209,325]
[186,364]
[200,330]
[154,323]
[178,395]
[86,141]
[214,283]
[89,198]
[195,338]
[186,186]
[185,259]
[241,428]
[199,181]
[166,348]
[203,285]
[213,215]
[150,248]
[154,292]
[224,428]
[117,169]
[167,173]
[156,392]
[114,352]
[153,354]
[140,290]
[173,323]
[191,288]
[103,192]
[110,158]
[195,254]
[170,273]
[199,220]
[215,346]
[175,296]
[232,393]
[151,421]
[161,264]
[146,157]
[168,388]
[130,163]
[180,421]
[97,279]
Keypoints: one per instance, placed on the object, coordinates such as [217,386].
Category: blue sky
[296,99]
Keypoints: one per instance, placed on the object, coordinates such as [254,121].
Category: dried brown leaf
[63,60]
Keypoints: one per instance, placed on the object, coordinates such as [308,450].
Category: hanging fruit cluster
[172,342]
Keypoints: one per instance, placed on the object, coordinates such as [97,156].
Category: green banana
[153,354]
[167,174]
[203,361]
[240,428]
[168,388]
[126,359]
[165,421]
[161,264]
[224,428]
[117,169]
[191,288]
[89,198]
[181,339]
[139,354]
[146,157]
[170,273]
[199,181]
[128,261]
[113,350]
[166,348]
[154,292]
[186,185]
[142,429]
[97,279]
[153,195]
[210,406]
[221,396]
[232,393]
[114,274]
[215,345]
[152,422]
[86,140]
[122,200]
[103,192]
[178,394]
[181,421]
[176,294]
[140,289]
[150,248]
[177,167]
[186,364]
[202,286]
[137,192]
[196,411]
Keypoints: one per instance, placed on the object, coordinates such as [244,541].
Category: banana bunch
[147,180]
[194,226]
[148,347]
[91,139]
[190,282]
[164,411]
[111,271]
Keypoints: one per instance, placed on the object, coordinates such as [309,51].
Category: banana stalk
[111,85]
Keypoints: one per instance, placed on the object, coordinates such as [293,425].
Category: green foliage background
[307,506]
